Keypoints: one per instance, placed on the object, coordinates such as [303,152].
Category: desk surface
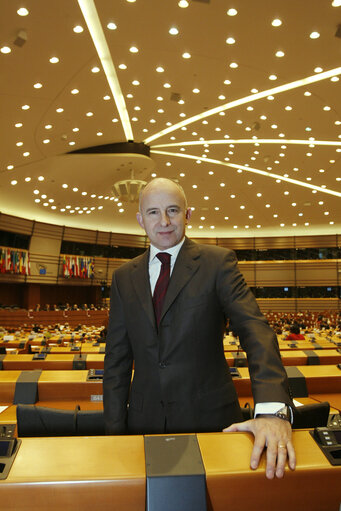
[109,473]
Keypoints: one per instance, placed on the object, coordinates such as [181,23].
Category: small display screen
[4,448]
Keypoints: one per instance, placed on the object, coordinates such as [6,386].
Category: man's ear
[140,219]
[188,213]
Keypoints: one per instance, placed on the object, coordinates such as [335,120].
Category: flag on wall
[77,266]
[14,261]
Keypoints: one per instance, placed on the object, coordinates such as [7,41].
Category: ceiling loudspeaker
[21,38]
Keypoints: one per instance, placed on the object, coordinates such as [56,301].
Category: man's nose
[164,218]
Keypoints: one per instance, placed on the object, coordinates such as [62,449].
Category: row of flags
[77,266]
[14,261]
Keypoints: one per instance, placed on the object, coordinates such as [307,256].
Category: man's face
[163,215]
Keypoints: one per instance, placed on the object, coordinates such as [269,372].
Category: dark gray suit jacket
[181,380]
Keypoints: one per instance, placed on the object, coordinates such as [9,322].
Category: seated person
[295,333]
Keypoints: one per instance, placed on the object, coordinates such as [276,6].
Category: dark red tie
[161,284]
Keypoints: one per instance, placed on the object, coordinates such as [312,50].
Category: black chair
[35,420]
[311,416]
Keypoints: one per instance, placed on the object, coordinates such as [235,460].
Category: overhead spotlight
[338,31]
[21,38]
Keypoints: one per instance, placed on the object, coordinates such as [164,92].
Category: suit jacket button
[162,364]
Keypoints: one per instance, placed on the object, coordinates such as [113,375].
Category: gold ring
[282,446]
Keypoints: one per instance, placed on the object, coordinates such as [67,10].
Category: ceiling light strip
[252,170]
[247,99]
[250,141]
[92,20]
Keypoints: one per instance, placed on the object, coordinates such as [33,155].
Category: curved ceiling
[238,100]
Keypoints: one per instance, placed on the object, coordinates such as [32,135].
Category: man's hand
[275,434]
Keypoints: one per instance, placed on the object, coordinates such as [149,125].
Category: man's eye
[153,212]
[173,211]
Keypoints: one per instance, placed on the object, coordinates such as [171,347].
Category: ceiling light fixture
[314,188]
[247,99]
[95,28]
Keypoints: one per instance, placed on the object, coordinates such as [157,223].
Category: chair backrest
[35,420]
[311,416]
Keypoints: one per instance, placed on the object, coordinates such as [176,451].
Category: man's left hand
[275,434]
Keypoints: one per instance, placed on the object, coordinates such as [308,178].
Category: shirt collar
[173,251]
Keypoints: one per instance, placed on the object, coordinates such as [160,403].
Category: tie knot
[164,257]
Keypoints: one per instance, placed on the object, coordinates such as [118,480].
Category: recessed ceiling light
[318,70]
[173,31]
[288,107]
[75,189]
[25,107]
[78,29]
[276,22]
[19,144]
[38,85]
[5,49]
[74,91]
[46,141]
[22,11]
[186,55]
[232,12]
[26,153]
[280,53]
[233,65]
[272,77]
[159,69]
[27,179]
[133,49]
[167,85]
[326,108]
[54,60]
[111,26]
[95,69]
[314,35]
[122,66]
[106,98]
[270,98]
[41,178]
[14,182]
[89,114]
[18,125]
[230,40]
[135,82]
[183,4]
[59,110]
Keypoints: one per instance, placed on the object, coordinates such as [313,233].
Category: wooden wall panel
[44,230]
[275,242]
[79,235]
[317,273]
[298,304]
[15,224]
[237,243]
[275,273]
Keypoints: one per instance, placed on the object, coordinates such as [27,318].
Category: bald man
[181,379]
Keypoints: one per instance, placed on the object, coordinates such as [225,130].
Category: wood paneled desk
[108,473]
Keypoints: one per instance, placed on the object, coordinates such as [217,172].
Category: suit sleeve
[258,340]
[117,367]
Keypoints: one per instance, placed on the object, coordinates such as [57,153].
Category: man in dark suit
[181,380]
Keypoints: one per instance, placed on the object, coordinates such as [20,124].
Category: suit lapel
[186,265]
[141,283]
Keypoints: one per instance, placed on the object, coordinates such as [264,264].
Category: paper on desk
[297,403]
[3,408]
